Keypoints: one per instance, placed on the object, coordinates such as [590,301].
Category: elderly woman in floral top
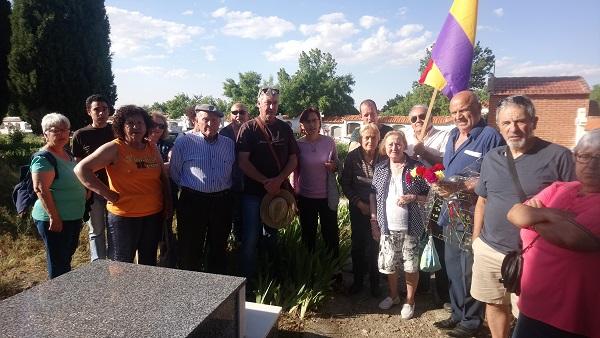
[396,220]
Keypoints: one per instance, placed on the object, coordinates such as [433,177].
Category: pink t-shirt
[312,179]
[559,286]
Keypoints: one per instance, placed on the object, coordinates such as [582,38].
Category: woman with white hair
[60,205]
[561,260]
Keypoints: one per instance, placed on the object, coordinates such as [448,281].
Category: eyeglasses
[235,112]
[131,123]
[421,117]
[268,91]
[58,130]
[587,158]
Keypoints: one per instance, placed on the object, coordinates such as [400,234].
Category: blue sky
[161,48]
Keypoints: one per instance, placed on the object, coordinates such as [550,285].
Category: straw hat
[278,211]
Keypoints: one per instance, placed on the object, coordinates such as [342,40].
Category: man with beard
[538,163]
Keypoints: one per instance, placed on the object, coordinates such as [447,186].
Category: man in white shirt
[430,150]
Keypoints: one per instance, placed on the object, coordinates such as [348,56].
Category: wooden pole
[428,116]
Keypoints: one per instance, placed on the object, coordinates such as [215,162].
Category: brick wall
[556,115]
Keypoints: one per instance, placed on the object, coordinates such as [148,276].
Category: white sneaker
[387,303]
[407,311]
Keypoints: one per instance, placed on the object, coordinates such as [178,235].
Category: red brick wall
[556,115]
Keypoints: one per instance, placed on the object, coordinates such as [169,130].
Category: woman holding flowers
[396,219]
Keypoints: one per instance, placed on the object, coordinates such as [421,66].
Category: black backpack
[23,195]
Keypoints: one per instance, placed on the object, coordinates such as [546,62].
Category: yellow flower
[413,172]
[439,174]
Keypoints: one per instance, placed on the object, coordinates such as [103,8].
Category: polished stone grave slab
[113,299]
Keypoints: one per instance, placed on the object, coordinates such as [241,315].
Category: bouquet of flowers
[430,175]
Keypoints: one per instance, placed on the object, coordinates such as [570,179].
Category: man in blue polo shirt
[467,144]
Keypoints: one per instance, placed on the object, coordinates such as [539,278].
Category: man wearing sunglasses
[238,116]
[85,141]
[368,114]
[267,154]
[429,150]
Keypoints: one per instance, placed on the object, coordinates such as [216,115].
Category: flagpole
[421,137]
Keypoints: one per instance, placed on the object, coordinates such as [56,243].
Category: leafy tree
[245,90]
[176,106]
[483,63]
[316,83]
[595,100]
[60,54]
[4,49]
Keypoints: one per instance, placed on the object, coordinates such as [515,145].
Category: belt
[221,193]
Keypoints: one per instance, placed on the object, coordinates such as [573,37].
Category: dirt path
[359,316]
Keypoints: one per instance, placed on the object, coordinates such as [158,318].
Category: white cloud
[409,29]
[368,21]
[499,12]
[248,25]
[187,12]
[209,52]
[488,28]
[402,11]
[334,34]
[553,69]
[156,71]
[133,33]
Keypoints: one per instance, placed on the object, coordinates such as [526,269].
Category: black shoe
[462,332]
[355,288]
[446,324]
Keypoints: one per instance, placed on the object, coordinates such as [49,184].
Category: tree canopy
[317,84]
[60,54]
[4,50]
[483,64]
[244,90]
[176,106]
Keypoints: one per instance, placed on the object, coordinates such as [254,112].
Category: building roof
[538,85]
[593,122]
[12,119]
[395,119]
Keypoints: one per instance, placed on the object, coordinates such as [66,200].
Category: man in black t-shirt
[85,141]
[263,173]
[368,114]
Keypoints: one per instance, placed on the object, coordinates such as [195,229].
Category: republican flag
[449,68]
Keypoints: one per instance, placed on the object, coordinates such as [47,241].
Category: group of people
[218,182]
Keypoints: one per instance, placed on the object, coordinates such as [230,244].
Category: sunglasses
[235,112]
[160,126]
[421,117]
[269,91]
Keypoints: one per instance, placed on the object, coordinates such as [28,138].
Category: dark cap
[208,108]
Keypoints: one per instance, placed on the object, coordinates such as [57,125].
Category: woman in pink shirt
[317,160]
[561,270]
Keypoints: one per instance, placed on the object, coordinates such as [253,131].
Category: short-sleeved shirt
[435,143]
[252,140]
[312,177]
[539,167]
[560,286]
[66,190]
[469,155]
[87,139]
[202,165]
[383,129]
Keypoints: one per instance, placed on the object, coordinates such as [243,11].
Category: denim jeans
[252,231]
[60,246]
[97,228]
[531,328]
[131,234]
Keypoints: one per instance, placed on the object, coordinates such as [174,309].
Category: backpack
[23,195]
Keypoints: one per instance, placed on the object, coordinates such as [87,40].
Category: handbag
[512,264]
[430,261]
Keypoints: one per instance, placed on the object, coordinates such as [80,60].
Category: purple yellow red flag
[449,68]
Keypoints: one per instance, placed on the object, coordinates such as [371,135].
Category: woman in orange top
[137,186]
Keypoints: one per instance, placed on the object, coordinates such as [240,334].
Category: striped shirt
[201,165]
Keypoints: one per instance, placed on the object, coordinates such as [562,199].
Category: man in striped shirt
[201,165]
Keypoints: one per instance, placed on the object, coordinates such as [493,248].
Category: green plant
[342,150]
[300,280]
[15,137]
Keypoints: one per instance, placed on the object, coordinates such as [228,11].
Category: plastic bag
[430,261]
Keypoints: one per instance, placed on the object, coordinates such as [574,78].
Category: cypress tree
[4,49]
[60,55]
